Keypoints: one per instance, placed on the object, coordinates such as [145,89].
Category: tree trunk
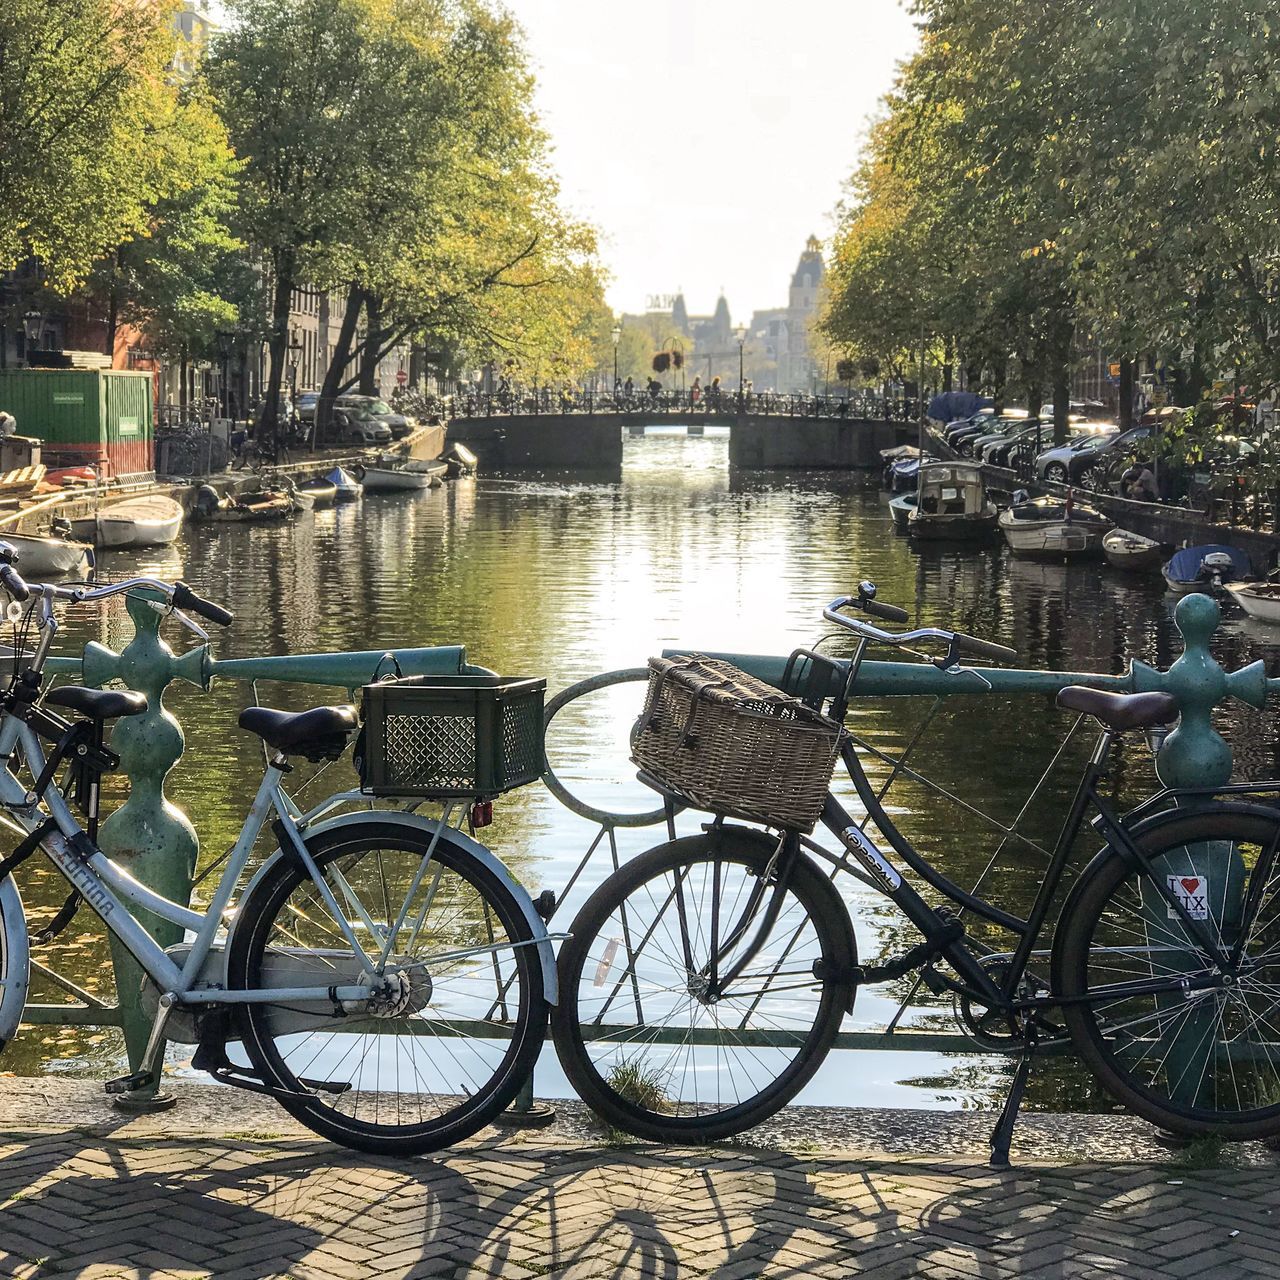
[282,306]
[1125,393]
[113,311]
[1064,332]
[372,342]
[182,382]
[948,359]
[335,374]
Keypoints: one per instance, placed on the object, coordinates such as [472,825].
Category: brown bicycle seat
[1120,711]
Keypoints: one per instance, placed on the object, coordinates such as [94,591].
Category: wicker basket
[731,743]
[441,737]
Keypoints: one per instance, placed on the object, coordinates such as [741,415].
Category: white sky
[706,139]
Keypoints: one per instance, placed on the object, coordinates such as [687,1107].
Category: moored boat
[1053,527]
[254,507]
[1131,551]
[1259,600]
[378,479]
[322,492]
[41,556]
[901,505]
[951,503]
[1207,568]
[151,520]
[347,488]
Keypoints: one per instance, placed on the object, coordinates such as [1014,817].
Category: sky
[707,139]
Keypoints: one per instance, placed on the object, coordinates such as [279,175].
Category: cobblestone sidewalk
[116,1198]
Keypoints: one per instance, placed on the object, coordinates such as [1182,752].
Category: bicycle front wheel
[641,1034]
[1181,1021]
[456,1016]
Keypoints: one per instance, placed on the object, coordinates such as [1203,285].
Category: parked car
[350,409]
[352,421]
[1102,469]
[284,412]
[1001,428]
[1066,463]
[306,406]
[1001,453]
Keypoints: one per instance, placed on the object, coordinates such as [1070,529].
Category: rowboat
[1053,527]
[245,508]
[396,479]
[1208,568]
[321,492]
[901,506]
[347,487]
[1258,599]
[951,503]
[49,557]
[149,521]
[1125,550]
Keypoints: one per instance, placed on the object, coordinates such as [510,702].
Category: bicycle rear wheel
[1174,1029]
[444,1043]
[638,1034]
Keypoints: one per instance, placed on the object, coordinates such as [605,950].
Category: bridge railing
[681,404]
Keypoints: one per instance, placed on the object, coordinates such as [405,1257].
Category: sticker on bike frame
[871,858]
[1192,894]
[606,961]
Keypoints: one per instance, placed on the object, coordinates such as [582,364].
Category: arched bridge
[792,433]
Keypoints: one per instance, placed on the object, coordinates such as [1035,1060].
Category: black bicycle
[705,981]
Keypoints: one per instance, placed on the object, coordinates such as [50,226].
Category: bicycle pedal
[129,1084]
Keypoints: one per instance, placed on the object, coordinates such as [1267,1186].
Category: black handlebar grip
[13,583]
[185,598]
[889,612]
[985,648]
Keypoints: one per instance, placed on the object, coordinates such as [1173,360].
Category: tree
[84,91]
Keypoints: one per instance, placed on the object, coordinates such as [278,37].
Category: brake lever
[191,624]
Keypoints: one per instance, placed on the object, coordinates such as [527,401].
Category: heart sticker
[1191,883]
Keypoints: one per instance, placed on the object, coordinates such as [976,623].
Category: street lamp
[225,340]
[741,334]
[616,335]
[32,328]
[295,349]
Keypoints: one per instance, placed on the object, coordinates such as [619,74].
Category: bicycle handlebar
[956,640]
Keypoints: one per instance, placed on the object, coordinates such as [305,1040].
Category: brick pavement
[116,1198]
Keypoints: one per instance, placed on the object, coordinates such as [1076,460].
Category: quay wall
[765,442]
[554,441]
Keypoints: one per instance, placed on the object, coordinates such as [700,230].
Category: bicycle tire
[474,906]
[612,1073]
[1186,1061]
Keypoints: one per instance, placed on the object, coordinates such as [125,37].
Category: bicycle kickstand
[1002,1134]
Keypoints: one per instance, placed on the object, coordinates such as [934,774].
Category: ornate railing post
[147,834]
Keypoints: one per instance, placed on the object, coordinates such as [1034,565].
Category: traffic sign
[401,378]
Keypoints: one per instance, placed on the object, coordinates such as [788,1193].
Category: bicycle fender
[16,950]
[473,848]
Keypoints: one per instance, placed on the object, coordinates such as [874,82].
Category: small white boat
[1131,551]
[1259,600]
[151,520]
[347,487]
[951,503]
[901,505]
[1053,527]
[318,493]
[49,557]
[394,479]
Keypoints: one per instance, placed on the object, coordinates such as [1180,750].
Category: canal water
[567,579]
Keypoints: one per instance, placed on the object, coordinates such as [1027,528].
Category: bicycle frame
[107,887]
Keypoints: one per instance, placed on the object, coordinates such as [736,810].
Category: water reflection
[563,578]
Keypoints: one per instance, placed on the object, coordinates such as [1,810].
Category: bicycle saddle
[1120,711]
[97,704]
[318,734]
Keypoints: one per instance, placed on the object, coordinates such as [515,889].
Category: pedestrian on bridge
[695,391]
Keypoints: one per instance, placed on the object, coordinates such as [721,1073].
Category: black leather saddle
[1120,711]
[319,734]
[97,704]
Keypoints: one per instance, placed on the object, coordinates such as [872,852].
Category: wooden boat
[148,521]
[322,492]
[49,556]
[1053,527]
[379,479]
[1131,551]
[901,505]
[951,503]
[1207,568]
[251,508]
[1259,600]
[347,487]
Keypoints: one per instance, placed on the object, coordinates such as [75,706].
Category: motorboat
[254,507]
[1053,527]
[901,505]
[460,460]
[49,556]
[904,474]
[1131,551]
[1208,568]
[1259,600]
[346,487]
[951,503]
[151,520]
[321,492]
